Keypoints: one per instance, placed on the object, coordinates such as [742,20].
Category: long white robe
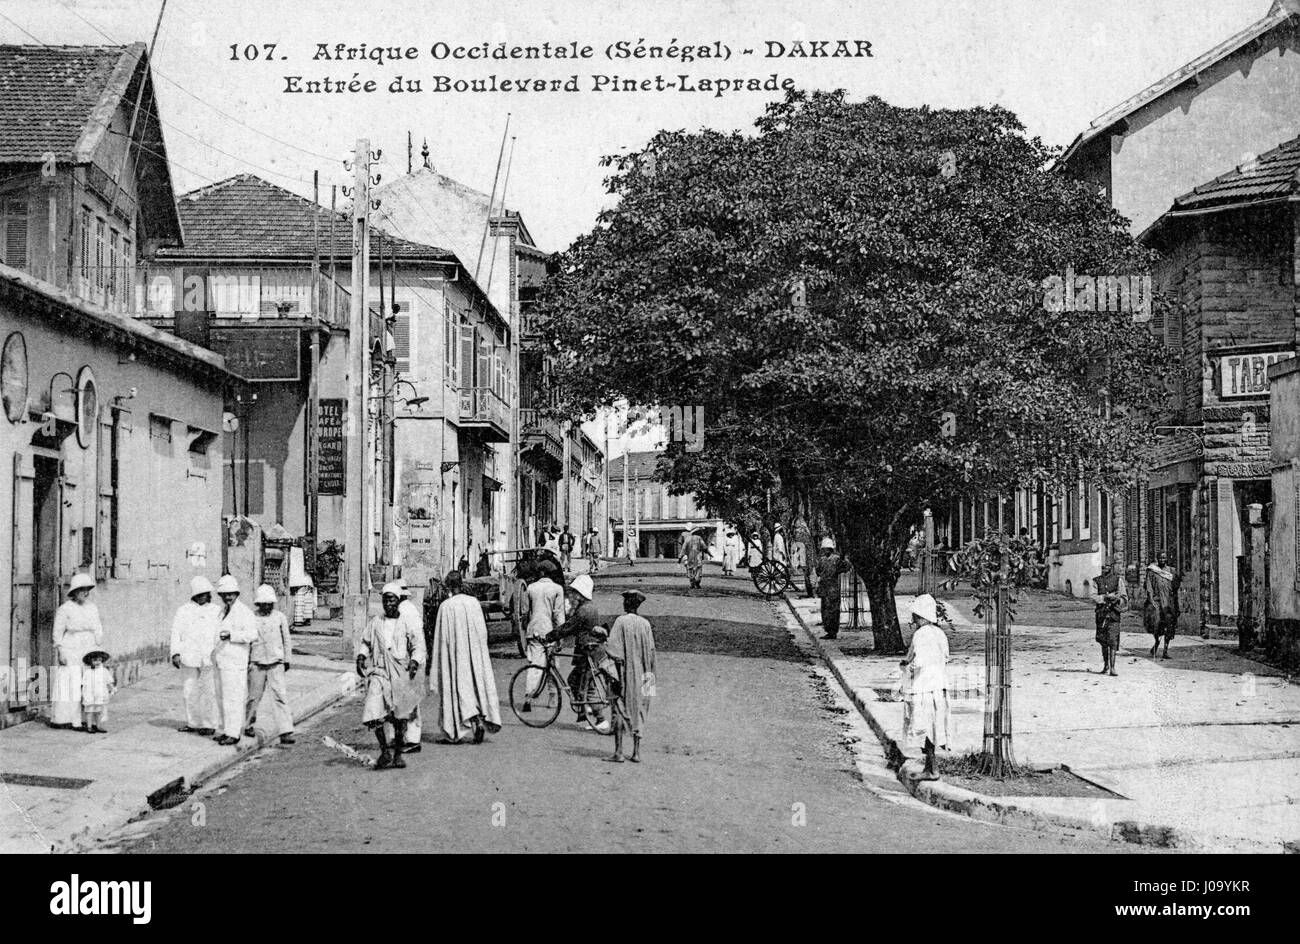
[462,676]
[77,630]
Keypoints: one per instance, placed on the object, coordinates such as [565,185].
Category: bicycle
[546,697]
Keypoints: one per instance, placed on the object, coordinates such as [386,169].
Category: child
[96,688]
[925,686]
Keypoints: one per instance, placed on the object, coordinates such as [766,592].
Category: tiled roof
[1280,13]
[58,98]
[640,465]
[246,217]
[1267,177]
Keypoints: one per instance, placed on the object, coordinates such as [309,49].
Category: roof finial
[424,153]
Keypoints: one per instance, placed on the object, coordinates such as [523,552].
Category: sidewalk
[1202,750]
[60,788]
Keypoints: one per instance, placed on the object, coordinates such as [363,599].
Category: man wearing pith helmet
[236,633]
[194,636]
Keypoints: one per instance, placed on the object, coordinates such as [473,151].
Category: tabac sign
[1246,374]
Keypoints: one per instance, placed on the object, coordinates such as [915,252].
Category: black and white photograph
[835,427]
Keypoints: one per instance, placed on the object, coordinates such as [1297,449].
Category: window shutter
[15,233]
[402,337]
[466,356]
[85,247]
[484,378]
[100,253]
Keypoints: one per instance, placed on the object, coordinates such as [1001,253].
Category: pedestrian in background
[694,553]
[926,716]
[565,543]
[829,567]
[236,634]
[462,667]
[730,552]
[1110,595]
[268,661]
[96,689]
[632,647]
[194,637]
[77,631]
[593,551]
[1160,603]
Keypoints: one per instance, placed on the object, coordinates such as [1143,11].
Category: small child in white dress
[96,689]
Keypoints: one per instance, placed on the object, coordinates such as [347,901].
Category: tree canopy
[855,295]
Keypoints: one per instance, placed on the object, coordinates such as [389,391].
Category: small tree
[993,565]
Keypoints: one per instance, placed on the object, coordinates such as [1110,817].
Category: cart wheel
[767,579]
[517,619]
[784,576]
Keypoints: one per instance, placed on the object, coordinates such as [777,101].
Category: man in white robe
[387,653]
[194,637]
[461,667]
[412,633]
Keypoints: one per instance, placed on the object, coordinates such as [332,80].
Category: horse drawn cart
[502,595]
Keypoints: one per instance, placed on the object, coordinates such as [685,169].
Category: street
[745,752]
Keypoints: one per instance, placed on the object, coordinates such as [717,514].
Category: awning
[490,484]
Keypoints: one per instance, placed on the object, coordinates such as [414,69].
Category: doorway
[47,500]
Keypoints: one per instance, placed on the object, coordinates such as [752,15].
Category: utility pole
[313,391]
[568,435]
[607,526]
[627,546]
[356,541]
[387,408]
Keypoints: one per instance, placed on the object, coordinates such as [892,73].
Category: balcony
[541,437]
[485,412]
[248,295]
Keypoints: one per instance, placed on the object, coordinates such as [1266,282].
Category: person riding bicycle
[589,644]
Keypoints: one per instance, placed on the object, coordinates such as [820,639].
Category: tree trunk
[876,570]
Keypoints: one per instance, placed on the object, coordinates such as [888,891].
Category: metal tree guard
[998,759]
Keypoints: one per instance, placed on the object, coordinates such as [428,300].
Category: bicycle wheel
[543,702]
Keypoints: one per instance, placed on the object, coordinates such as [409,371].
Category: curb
[79,841]
[978,806]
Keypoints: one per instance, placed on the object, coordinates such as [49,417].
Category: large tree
[854,294]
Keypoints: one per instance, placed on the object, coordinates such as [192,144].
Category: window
[85,247]
[468,343]
[127,281]
[114,260]
[101,251]
[1085,509]
[1070,509]
[402,337]
[13,232]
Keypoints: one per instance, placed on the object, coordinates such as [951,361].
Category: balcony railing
[480,406]
[246,294]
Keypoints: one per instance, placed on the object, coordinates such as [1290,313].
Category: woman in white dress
[77,631]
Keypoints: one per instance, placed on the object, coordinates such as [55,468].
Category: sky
[1056,64]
